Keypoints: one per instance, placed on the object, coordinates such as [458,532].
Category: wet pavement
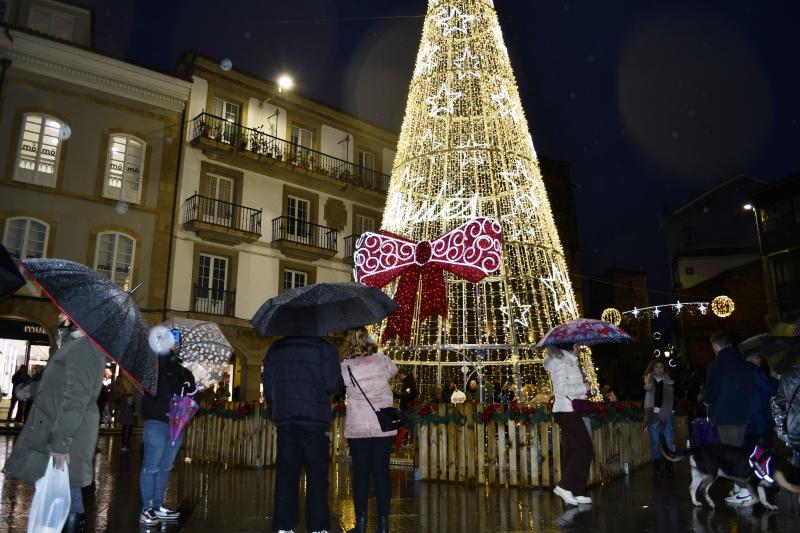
[215,499]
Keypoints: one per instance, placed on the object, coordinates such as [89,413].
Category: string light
[465,152]
[721,306]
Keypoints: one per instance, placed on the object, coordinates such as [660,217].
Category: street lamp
[285,83]
[748,207]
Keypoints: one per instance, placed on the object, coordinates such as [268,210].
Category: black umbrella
[103,311]
[10,278]
[780,352]
[317,310]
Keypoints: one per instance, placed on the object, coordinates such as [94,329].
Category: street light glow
[747,207]
[285,83]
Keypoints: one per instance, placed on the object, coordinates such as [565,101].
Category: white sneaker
[583,500]
[286,531]
[565,495]
[734,490]
[741,497]
[167,515]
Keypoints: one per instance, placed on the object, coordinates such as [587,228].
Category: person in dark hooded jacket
[729,393]
[786,409]
[301,374]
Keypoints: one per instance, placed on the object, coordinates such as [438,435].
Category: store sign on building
[24,331]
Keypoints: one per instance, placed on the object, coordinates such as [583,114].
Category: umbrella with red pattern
[587,331]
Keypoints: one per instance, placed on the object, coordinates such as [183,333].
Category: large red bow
[471,251]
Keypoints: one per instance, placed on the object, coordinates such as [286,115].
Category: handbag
[585,407]
[389,418]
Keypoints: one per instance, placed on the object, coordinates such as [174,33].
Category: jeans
[576,453]
[75,499]
[159,456]
[655,431]
[299,447]
[371,459]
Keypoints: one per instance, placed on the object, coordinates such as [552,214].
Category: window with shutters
[38,149]
[124,168]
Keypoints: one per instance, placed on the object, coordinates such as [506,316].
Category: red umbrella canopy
[587,331]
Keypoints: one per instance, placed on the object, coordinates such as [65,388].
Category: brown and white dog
[710,462]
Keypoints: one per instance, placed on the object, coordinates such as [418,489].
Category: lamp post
[283,83]
[772,313]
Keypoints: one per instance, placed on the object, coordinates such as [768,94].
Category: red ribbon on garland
[471,251]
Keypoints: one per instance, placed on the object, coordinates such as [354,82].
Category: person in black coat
[300,376]
[19,378]
[159,449]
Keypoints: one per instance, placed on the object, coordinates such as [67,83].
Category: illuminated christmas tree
[465,152]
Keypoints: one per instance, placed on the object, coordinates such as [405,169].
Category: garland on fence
[603,414]
[425,413]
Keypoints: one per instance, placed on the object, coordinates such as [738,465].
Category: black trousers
[371,459]
[576,453]
[302,447]
[126,436]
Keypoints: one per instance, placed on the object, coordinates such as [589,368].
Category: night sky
[651,102]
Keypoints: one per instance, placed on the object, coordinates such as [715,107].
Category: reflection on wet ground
[215,499]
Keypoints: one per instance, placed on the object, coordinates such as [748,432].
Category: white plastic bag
[50,506]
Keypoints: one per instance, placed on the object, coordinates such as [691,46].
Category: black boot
[382,525]
[361,525]
[657,467]
[76,523]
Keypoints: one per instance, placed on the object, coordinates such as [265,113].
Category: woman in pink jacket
[369,446]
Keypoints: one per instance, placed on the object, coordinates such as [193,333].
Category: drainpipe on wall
[178,169]
[4,64]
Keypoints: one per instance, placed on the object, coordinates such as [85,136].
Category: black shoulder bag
[389,418]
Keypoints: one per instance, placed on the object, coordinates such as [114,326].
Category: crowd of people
[75,394]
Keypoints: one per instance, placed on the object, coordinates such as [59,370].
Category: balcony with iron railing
[303,240]
[210,132]
[213,301]
[350,246]
[221,221]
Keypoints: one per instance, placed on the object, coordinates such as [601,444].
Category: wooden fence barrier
[501,453]
[251,441]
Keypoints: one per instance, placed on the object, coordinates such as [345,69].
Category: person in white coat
[576,448]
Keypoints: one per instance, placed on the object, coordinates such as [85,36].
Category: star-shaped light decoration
[426,62]
[558,278]
[413,181]
[656,311]
[451,19]
[468,149]
[523,199]
[702,308]
[678,306]
[428,143]
[467,65]
[635,312]
[443,101]
[522,317]
[506,105]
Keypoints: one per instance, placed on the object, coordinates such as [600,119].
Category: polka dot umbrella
[203,348]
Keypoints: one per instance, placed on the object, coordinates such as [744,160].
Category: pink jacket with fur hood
[373,374]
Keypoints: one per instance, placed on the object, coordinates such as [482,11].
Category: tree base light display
[465,159]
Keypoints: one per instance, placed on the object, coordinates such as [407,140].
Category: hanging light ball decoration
[722,306]
[612,316]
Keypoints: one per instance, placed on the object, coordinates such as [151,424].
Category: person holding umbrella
[98,319]
[301,374]
[64,420]
[160,449]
